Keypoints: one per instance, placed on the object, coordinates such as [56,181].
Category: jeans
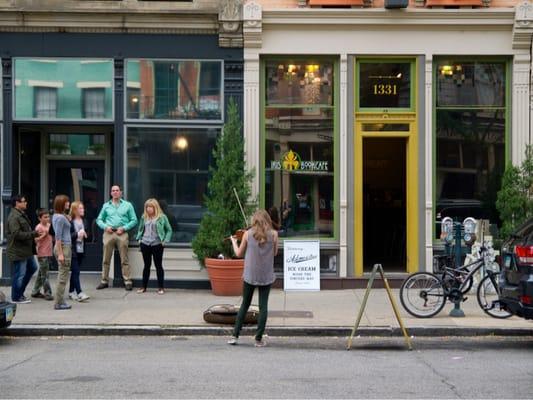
[157,253]
[75,264]
[247,294]
[24,270]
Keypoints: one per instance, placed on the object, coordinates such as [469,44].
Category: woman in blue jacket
[154,232]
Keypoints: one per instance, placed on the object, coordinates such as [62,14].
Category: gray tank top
[259,261]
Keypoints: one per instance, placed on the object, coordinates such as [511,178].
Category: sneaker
[82,297]
[22,300]
[233,341]
[260,343]
[38,295]
[73,296]
[62,306]
[102,285]
[128,286]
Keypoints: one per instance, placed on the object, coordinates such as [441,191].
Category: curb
[160,330]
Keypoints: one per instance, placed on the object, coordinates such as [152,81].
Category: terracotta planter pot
[225,276]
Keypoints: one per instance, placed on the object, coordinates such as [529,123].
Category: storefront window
[470,128]
[50,89]
[171,165]
[299,146]
[174,90]
[385,84]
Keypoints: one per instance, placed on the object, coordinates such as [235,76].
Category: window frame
[385,60]
[334,60]
[87,60]
[507,61]
[174,121]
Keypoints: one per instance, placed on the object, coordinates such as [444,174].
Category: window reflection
[172,166]
[300,169]
[470,140]
[299,83]
[471,84]
[174,90]
[63,89]
[77,144]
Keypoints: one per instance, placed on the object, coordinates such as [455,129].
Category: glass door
[82,181]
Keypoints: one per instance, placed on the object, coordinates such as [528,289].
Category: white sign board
[301,265]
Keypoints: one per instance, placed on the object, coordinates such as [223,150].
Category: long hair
[262,224]
[157,208]
[74,206]
[59,203]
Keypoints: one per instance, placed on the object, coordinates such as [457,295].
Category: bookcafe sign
[301,265]
[291,161]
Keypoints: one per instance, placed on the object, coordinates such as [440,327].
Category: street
[319,367]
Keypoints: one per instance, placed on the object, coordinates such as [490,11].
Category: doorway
[83,181]
[384,203]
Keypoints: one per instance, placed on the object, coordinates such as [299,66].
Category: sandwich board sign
[301,265]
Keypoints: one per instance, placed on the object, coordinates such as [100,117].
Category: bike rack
[378,267]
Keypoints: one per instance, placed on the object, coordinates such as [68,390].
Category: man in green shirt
[116,218]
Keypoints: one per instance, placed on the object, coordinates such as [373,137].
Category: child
[44,255]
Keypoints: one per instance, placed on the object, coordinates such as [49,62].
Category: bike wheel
[488,296]
[422,295]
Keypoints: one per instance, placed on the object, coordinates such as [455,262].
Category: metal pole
[456,310]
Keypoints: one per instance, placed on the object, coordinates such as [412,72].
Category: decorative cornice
[230,23]
[474,19]
[32,21]
[252,24]
[523,26]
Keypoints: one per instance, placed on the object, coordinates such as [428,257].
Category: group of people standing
[67,227]
[117,217]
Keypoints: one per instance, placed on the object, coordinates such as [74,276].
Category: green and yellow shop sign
[291,161]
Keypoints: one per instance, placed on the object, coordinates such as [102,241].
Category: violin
[238,234]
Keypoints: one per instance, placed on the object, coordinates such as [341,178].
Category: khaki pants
[63,268]
[121,242]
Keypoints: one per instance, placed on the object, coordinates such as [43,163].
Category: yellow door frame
[411,157]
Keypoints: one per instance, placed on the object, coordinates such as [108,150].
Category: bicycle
[424,294]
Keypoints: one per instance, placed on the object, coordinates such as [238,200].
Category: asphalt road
[206,367]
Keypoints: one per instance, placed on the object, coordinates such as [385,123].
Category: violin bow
[240,206]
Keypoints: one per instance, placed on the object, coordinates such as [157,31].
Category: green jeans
[247,294]
[63,269]
[42,277]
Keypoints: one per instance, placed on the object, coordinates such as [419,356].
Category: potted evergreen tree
[224,216]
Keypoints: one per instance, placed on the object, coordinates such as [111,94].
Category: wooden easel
[378,267]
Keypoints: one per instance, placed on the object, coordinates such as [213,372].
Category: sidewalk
[180,312]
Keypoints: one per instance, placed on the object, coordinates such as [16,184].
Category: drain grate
[290,314]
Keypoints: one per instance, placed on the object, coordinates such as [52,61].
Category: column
[252,110]
[343,163]
[428,160]
[521,106]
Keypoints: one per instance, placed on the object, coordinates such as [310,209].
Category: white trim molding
[50,84]
[90,85]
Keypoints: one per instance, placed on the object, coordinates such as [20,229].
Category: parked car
[517,271]
[7,311]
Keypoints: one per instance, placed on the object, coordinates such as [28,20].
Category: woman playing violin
[259,245]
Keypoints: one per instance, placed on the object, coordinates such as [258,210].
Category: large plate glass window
[63,89]
[171,165]
[174,90]
[471,121]
[299,153]
[385,84]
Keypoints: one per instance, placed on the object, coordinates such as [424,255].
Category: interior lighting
[180,143]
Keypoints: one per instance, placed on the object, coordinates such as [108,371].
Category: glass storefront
[470,138]
[171,165]
[299,152]
[63,89]
[174,90]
